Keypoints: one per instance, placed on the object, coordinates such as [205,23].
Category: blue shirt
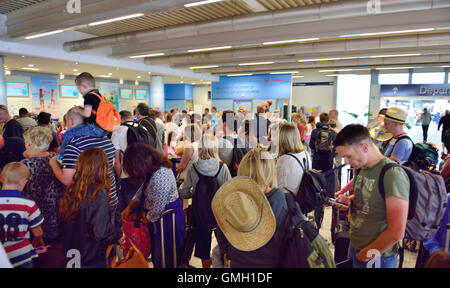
[401,149]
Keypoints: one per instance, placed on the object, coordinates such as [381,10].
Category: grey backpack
[427,200]
[324,141]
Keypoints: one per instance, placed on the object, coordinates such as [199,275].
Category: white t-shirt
[4,260]
[119,140]
[289,171]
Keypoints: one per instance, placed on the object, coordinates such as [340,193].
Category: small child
[86,85]
[19,216]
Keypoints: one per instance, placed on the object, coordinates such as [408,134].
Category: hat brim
[264,231]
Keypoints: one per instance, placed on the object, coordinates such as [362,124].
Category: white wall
[323,96]
[200,96]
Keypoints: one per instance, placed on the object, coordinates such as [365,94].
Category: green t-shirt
[368,219]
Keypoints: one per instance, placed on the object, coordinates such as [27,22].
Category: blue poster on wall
[262,86]
[414,90]
[45,95]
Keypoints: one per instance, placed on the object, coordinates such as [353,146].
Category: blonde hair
[289,139]
[209,147]
[15,172]
[39,138]
[259,165]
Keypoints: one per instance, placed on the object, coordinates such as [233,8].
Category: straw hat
[243,213]
[241,109]
[396,114]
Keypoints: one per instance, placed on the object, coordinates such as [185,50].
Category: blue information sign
[415,90]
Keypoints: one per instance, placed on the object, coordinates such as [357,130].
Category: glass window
[393,78]
[428,78]
[353,93]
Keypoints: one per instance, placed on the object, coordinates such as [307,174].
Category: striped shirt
[17,216]
[79,144]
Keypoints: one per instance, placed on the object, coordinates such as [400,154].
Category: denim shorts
[377,262]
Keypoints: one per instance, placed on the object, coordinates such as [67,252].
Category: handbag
[133,258]
[137,232]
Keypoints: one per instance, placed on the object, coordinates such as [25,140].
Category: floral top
[160,191]
[44,189]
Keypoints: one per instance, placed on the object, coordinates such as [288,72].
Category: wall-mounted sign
[141,94]
[262,86]
[126,93]
[415,90]
[69,91]
[17,89]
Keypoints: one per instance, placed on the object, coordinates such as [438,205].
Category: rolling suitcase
[174,242]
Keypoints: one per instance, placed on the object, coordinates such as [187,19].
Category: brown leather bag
[133,258]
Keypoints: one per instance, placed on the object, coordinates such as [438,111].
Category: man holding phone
[377,224]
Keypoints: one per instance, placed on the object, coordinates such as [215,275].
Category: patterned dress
[44,189]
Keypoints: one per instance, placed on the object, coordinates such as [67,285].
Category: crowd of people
[70,187]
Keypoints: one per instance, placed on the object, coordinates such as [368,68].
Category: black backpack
[205,189]
[312,192]
[137,133]
[323,141]
[304,247]
[238,154]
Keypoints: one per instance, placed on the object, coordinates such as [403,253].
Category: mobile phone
[334,201]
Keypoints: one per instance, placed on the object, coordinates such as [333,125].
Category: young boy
[86,85]
[18,216]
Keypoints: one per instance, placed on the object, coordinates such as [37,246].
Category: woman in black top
[85,211]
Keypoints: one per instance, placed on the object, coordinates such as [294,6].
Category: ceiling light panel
[116,19]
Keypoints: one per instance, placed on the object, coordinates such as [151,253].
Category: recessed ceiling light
[75,70]
[138,77]
[30,65]
[116,19]
[393,68]
[336,70]
[32,69]
[242,74]
[320,59]
[298,76]
[256,63]
[147,55]
[286,72]
[44,34]
[202,3]
[204,67]
[110,74]
[290,41]
[398,55]
[210,49]
[181,82]
[387,32]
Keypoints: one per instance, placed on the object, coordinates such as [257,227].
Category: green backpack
[305,247]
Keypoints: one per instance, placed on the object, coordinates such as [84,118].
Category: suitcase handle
[167,212]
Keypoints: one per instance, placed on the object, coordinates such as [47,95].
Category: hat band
[393,118]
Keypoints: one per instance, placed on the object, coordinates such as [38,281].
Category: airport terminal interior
[306,56]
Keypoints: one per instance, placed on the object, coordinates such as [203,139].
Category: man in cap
[400,146]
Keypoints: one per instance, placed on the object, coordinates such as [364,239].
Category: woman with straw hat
[251,214]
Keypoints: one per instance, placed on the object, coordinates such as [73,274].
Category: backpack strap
[220,168]
[100,97]
[398,139]
[298,161]
[412,186]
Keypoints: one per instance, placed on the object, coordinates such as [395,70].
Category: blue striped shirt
[79,144]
